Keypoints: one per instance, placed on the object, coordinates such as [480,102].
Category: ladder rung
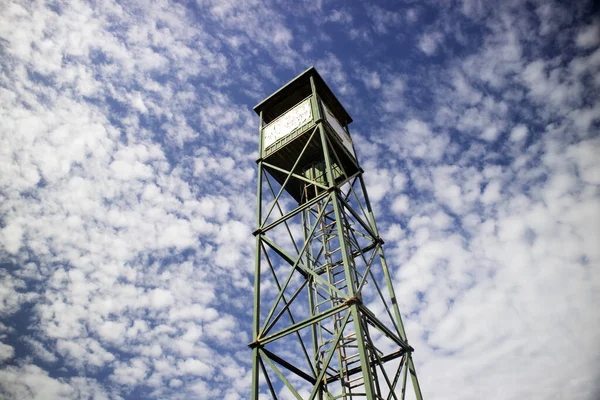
[332,252]
[355,379]
[324,301]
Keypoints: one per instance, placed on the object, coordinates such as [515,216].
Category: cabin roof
[297,90]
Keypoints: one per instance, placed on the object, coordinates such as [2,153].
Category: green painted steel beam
[301,325]
[256,317]
[301,268]
[280,374]
[300,177]
[291,367]
[384,329]
[413,377]
[295,212]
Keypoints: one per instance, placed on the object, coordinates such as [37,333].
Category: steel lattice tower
[326,320]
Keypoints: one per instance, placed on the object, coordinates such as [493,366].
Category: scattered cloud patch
[429,43]
[588,36]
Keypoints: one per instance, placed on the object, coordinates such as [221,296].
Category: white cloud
[332,69]
[30,381]
[393,94]
[399,182]
[429,42]
[138,103]
[40,350]
[84,352]
[400,205]
[584,155]
[160,298]
[11,295]
[588,36]
[222,329]
[6,352]
[490,133]
[491,193]
[202,391]
[12,236]
[412,15]
[518,133]
[194,366]
[340,16]
[131,373]
[372,80]
[383,20]
[111,331]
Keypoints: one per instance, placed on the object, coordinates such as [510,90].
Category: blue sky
[127,148]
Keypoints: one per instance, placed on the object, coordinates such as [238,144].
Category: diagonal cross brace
[299,325]
[287,179]
[294,175]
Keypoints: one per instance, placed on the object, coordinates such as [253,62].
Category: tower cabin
[290,120]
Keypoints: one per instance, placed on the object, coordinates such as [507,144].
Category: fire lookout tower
[326,319]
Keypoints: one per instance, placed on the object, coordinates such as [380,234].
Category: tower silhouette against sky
[326,320]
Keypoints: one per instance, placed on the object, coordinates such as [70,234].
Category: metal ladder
[352,383]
